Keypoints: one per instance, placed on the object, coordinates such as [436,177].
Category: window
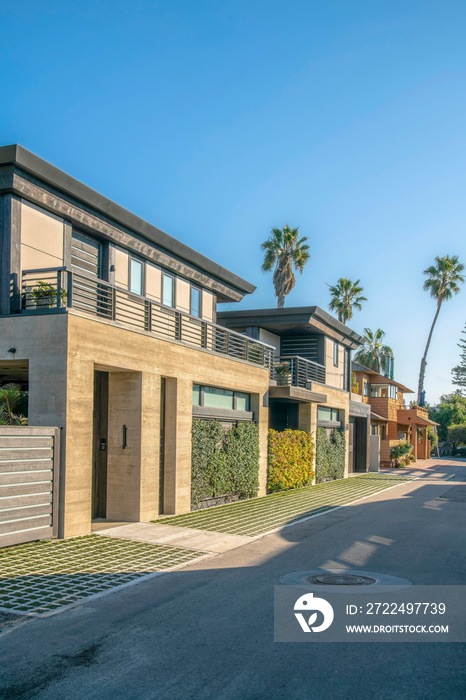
[135,276]
[326,413]
[335,354]
[242,401]
[218,398]
[366,388]
[384,391]
[167,290]
[402,435]
[195,302]
[214,397]
[374,429]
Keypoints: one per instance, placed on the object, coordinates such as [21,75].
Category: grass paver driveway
[260,515]
[40,577]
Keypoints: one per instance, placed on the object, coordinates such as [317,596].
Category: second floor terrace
[58,290]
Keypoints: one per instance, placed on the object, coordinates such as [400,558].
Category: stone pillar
[178,424]
[10,254]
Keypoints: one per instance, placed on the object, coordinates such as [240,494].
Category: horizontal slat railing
[46,290]
[293,370]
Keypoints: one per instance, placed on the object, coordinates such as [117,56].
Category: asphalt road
[207,631]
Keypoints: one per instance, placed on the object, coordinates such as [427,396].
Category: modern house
[111,322]
[311,383]
[112,325]
[391,420]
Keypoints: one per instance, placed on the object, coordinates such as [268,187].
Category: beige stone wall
[41,238]
[98,345]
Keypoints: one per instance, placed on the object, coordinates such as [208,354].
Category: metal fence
[29,469]
[53,289]
[297,371]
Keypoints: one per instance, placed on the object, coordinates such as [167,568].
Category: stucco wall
[41,238]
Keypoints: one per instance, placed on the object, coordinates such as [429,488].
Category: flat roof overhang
[296,394]
[298,319]
[19,157]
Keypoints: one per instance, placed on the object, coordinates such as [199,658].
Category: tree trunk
[422,370]
[281,301]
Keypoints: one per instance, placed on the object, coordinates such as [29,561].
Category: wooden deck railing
[56,289]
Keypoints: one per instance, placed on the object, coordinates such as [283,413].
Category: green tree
[345,297]
[459,372]
[443,280]
[450,411]
[284,250]
[373,353]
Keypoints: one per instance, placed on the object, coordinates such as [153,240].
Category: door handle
[103,445]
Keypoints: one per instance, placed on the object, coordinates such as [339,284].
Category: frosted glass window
[195,302]
[242,401]
[196,395]
[167,290]
[218,398]
[136,276]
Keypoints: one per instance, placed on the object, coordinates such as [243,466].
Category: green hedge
[224,462]
[290,460]
[330,455]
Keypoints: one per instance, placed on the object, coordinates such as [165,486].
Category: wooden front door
[99,475]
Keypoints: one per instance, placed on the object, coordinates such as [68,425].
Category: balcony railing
[293,370]
[55,289]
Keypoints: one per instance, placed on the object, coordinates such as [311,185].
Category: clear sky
[218,120]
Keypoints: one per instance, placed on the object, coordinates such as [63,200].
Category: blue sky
[218,120]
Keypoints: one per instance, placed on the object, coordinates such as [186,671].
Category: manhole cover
[341,580]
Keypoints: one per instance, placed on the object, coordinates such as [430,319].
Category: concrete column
[259,406]
[150,445]
[307,421]
[178,424]
[10,254]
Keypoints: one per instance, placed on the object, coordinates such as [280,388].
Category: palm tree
[283,252]
[10,396]
[442,282]
[345,296]
[373,353]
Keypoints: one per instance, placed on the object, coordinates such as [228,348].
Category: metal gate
[29,468]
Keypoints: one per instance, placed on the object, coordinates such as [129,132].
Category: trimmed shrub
[224,462]
[330,455]
[291,454]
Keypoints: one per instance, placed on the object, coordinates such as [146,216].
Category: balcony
[55,290]
[292,370]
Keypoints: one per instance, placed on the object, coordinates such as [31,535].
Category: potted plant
[45,295]
[283,373]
